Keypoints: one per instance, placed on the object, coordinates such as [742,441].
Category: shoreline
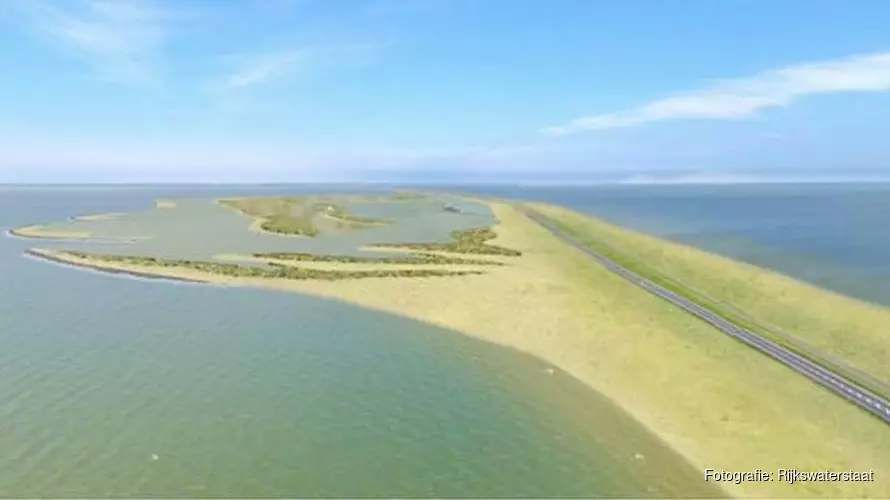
[670,372]
[50,256]
[35,232]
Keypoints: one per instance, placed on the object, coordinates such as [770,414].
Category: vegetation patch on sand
[281,215]
[295,215]
[227,270]
[338,213]
[356,265]
[415,258]
[844,334]
[471,241]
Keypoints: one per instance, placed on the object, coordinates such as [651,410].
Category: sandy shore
[165,203]
[135,271]
[100,217]
[720,404]
[42,232]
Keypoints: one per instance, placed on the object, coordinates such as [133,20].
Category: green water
[117,387]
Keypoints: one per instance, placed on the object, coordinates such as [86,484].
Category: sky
[333,90]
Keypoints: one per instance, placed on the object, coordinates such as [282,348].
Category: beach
[674,374]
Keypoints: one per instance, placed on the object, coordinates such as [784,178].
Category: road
[843,387]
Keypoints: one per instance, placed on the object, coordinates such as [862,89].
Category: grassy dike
[845,335]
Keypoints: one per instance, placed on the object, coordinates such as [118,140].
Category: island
[483,267]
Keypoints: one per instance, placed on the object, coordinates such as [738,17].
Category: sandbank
[717,402]
[100,217]
[43,232]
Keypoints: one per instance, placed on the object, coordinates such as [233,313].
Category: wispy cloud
[265,67]
[260,68]
[119,39]
[739,98]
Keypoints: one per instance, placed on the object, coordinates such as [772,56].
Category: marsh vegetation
[274,271]
[415,258]
[469,241]
[296,215]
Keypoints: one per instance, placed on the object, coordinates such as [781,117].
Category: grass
[845,335]
[469,241]
[275,271]
[295,215]
[339,213]
[419,258]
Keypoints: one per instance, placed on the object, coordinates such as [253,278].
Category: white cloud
[264,67]
[261,68]
[119,39]
[739,98]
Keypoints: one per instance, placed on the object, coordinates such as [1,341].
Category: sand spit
[99,217]
[165,203]
[42,232]
[714,400]
[64,259]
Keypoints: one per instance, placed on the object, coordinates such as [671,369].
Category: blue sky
[331,90]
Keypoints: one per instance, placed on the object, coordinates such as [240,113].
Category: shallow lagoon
[171,232]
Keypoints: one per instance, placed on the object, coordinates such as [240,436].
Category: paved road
[856,394]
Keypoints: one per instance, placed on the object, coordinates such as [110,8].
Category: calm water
[118,387]
[833,235]
[169,232]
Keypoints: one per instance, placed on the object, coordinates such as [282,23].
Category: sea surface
[122,387]
[836,236]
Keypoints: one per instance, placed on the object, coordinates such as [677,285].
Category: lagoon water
[118,387]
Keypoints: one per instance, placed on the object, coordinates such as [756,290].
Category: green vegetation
[288,224]
[417,258]
[274,271]
[764,302]
[472,241]
[295,215]
[339,213]
[281,215]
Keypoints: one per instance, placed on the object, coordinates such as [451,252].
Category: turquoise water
[120,387]
[833,235]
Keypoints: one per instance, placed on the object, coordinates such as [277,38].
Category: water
[170,232]
[832,235]
[117,387]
